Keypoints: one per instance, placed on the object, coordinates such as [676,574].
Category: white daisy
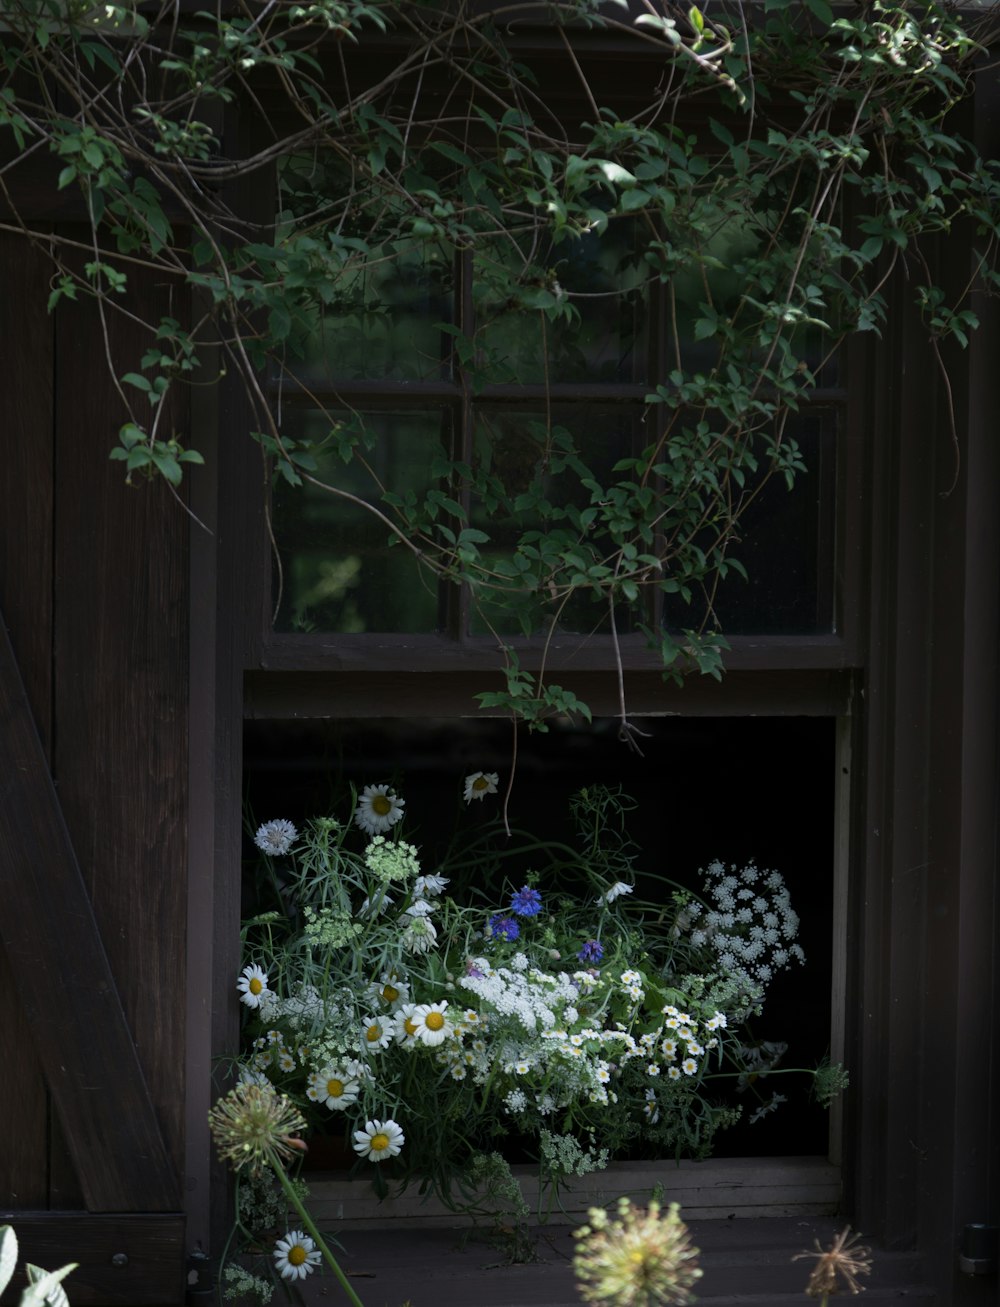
[431,1024]
[479,784]
[652,1112]
[379,1140]
[428,886]
[420,908]
[689,1066]
[420,935]
[275,837]
[674,1073]
[334,1088]
[405,1027]
[376,1034]
[392,991]
[296,1256]
[252,985]
[378,810]
[616,891]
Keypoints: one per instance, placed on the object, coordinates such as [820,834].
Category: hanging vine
[768,172]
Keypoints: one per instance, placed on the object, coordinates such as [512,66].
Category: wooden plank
[120,685]
[62,977]
[26,599]
[135,1261]
[718,1189]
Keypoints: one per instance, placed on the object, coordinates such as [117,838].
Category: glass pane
[342,569]
[786,542]
[384,305]
[599,280]
[522,453]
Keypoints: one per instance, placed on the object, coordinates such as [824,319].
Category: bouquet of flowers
[556,1008]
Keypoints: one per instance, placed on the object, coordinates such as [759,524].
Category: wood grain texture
[120,688]
[152,1274]
[61,975]
[26,600]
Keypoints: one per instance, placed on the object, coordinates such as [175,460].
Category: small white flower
[431,1024]
[379,1140]
[381,903]
[296,1256]
[689,1066]
[376,1034]
[275,837]
[392,991]
[378,810]
[428,886]
[652,1112]
[420,935]
[616,891]
[252,985]
[674,1073]
[479,784]
[334,1088]
[420,908]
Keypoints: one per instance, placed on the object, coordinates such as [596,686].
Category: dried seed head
[837,1266]
[253,1126]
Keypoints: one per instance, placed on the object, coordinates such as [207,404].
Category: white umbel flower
[275,837]
[252,985]
[378,810]
[379,1140]
[479,784]
[296,1256]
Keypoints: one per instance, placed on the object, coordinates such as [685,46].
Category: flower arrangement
[422,1014]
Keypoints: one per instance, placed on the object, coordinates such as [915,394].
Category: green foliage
[765,194]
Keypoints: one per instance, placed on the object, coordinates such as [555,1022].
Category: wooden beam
[135,1261]
[64,983]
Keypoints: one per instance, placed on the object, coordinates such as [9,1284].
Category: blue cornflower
[502,927]
[592,951]
[526,902]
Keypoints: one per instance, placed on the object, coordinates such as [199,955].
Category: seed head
[254,1126]
[843,1261]
[642,1259]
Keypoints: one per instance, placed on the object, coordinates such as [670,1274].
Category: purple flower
[526,902]
[592,951]
[502,927]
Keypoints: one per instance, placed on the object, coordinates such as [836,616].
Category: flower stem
[310,1226]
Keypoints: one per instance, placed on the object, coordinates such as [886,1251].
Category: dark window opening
[736,789]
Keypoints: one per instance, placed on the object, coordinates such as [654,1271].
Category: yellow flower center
[297,1255]
[373,1034]
[409,1026]
[380,1143]
[255,986]
[390,993]
[334,1088]
[480,783]
[381,805]
[433,1020]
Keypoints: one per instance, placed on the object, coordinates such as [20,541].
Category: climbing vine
[763,173]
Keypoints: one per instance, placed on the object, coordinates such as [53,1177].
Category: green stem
[310,1226]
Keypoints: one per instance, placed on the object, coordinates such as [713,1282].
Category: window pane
[516,448]
[786,542]
[343,570]
[602,337]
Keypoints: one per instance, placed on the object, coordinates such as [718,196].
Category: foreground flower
[844,1259]
[253,1125]
[526,902]
[616,891]
[252,985]
[275,837]
[639,1260]
[430,1023]
[592,951]
[296,1256]
[502,927]
[379,1140]
[378,810]
[335,1088]
[479,784]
